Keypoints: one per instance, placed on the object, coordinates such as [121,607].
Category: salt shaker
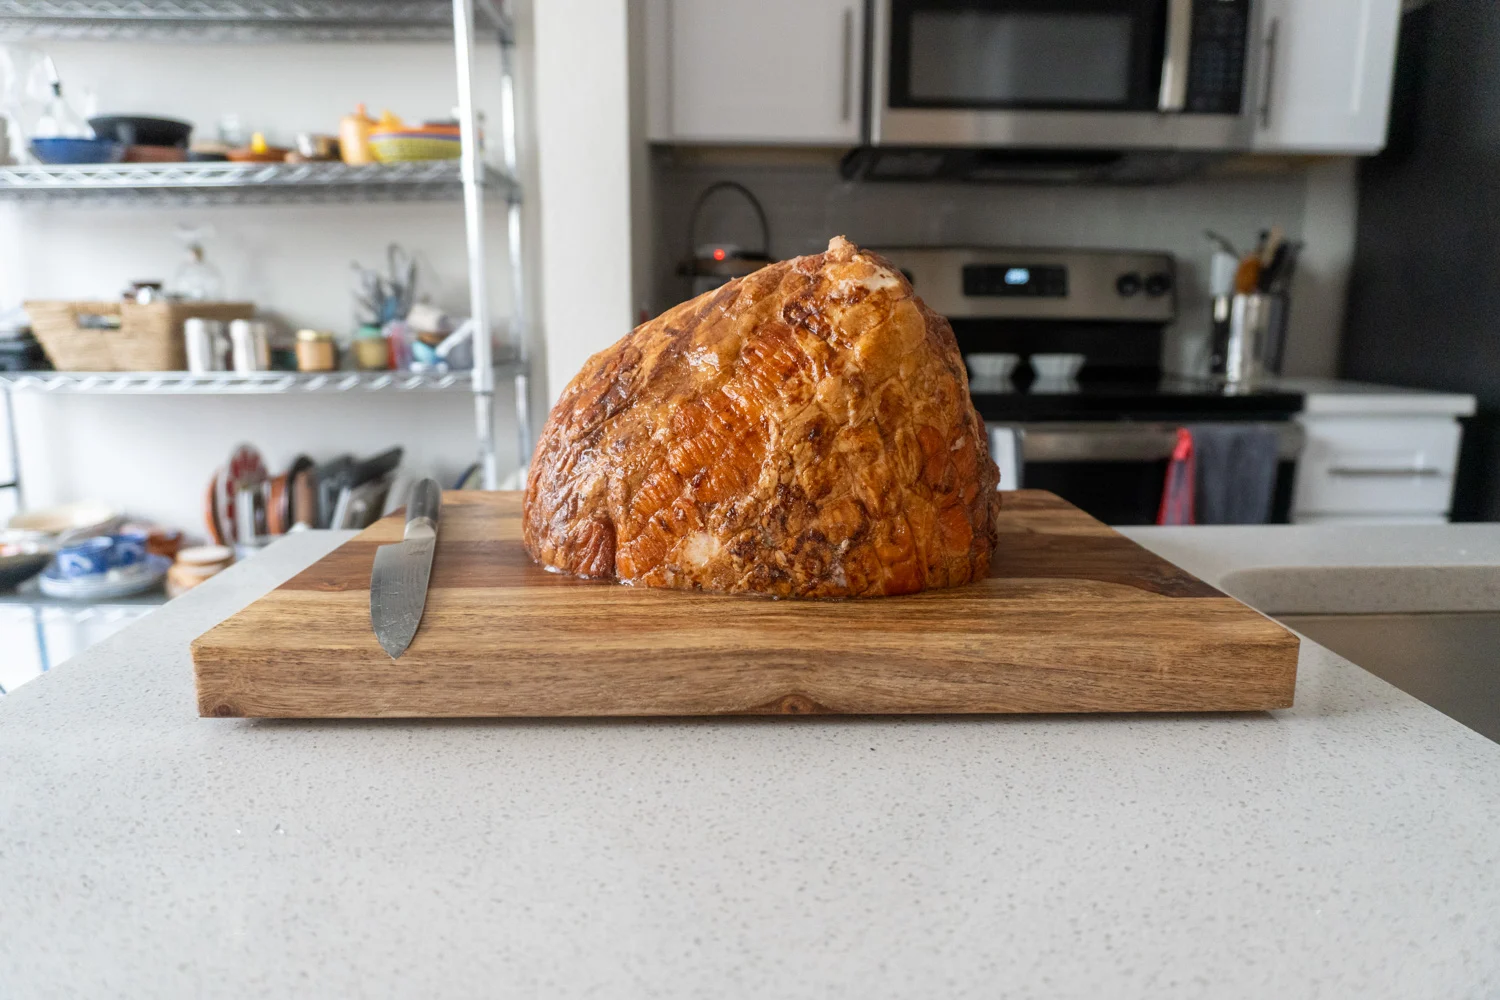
[252,350]
[206,346]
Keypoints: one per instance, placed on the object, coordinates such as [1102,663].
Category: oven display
[1015,281]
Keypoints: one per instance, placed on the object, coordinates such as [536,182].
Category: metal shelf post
[479,305]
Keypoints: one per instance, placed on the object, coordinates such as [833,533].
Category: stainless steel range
[1101,436]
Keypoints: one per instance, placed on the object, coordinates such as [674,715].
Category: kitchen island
[1344,847]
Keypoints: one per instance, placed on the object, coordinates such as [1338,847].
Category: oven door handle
[1175,57]
[1129,441]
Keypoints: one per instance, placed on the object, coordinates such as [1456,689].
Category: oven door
[1072,74]
[1116,470]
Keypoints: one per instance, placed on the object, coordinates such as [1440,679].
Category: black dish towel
[1236,473]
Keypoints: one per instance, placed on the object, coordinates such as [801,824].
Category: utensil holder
[1249,336]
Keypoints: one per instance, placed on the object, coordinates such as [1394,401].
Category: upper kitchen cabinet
[1325,75]
[754,71]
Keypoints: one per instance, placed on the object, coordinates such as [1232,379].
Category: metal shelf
[233,383]
[239,20]
[243,183]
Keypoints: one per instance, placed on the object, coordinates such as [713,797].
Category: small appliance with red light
[709,265]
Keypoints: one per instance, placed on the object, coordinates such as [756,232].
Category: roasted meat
[805,431]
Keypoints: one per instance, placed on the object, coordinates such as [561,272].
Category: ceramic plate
[104,586]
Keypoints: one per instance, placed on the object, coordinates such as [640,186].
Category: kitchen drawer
[1376,465]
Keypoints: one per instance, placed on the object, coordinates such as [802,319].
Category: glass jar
[371,352]
[316,351]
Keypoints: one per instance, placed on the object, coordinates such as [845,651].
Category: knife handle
[423,508]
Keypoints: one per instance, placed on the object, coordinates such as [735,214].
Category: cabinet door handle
[1174,63]
[1352,472]
[1267,85]
[846,84]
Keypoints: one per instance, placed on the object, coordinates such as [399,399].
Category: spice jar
[316,351]
[371,352]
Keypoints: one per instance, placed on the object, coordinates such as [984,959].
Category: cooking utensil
[211,510]
[1074,618]
[272,154]
[1247,277]
[154,154]
[403,278]
[259,151]
[134,130]
[381,298]
[246,470]
[398,583]
[360,506]
[1271,241]
[330,478]
[1221,243]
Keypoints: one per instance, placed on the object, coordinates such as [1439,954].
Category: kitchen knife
[398,583]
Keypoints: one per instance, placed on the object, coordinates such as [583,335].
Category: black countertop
[1166,399]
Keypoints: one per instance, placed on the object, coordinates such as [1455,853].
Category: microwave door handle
[846,68]
[1174,63]
[1268,73]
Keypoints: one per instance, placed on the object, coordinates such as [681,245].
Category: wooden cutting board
[1073,618]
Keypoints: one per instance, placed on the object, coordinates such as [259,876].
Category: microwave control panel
[1216,67]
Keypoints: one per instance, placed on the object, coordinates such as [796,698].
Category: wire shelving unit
[242,183]
[237,383]
[238,20]
[470,177]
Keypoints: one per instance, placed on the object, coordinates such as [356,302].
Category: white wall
[153,456]
[1320,293]
[583,146]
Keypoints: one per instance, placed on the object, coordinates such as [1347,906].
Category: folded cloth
[1236,481]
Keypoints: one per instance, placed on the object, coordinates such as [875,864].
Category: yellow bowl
[404,147]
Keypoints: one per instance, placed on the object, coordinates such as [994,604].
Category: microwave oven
[1058,74]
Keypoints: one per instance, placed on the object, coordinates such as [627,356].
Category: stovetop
[1167,398]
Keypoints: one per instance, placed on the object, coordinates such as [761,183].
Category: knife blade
[398,583]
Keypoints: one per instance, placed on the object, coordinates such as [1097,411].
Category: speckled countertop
[1347,847]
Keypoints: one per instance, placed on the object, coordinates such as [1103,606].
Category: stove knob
[1158,285]
[1128,284]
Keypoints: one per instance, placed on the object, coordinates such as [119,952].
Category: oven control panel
[1015,278]
[1011,283]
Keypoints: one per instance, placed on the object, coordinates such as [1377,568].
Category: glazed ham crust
[805,431]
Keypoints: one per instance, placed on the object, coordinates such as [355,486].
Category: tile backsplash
[808,203]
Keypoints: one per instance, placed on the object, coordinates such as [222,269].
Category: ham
[805,431]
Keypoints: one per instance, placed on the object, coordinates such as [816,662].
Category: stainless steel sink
[1433,631]
[1451,661]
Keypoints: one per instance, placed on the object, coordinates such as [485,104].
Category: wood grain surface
[1074,617]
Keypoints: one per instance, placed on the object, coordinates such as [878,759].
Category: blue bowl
[59,152]
[100,554]
[86,557]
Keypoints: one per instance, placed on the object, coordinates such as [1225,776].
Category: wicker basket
[149,338]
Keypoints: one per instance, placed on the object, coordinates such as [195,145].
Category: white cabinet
[1376,454]
[754,71]
[1376,468]
[1323,83]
